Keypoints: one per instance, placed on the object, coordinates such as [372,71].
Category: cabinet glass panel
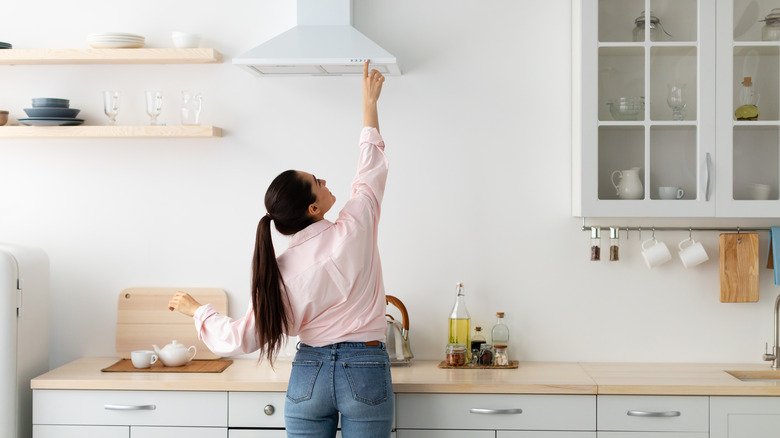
[620,148]
[621,83]
[748,20]
[760,64]
[676,20]
[673,160]
[616,19]
[756,162]
[673,87]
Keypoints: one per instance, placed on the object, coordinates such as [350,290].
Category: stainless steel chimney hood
[323,43]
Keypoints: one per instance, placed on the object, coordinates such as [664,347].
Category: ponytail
[287,201]
[270,315]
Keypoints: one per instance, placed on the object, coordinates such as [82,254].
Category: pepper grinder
[614,244]
[595,244]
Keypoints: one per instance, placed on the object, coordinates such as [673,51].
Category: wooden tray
[194,366]
[512,364]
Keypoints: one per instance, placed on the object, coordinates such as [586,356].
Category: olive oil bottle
[748,99]
[460,320]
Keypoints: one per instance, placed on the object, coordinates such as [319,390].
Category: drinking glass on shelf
[191,105]
[675,98]
[111,105]
[154,101]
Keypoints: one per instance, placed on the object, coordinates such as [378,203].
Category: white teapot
[175,354]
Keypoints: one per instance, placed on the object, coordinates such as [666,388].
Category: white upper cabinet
[644,108]
[748,164]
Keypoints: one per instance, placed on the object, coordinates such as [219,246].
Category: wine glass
[675,98]
[111,105]
[154,101]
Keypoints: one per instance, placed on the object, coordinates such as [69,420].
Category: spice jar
[595,244]
[501,358]
[486,354]
[455,355]
[614,244]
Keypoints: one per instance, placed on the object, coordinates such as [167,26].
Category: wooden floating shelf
[117,131]
[109,56]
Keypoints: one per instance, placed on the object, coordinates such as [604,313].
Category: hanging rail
[652,228]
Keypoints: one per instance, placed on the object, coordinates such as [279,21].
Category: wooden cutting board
[143,319]
[739,268]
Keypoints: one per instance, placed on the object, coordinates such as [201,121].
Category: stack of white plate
[105,40]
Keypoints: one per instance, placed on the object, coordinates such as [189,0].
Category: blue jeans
[350,378]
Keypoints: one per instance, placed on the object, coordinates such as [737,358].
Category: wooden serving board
[738,268]
[143,319]
[194,366]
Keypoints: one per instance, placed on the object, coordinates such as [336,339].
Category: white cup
[692,253]
[670,192]
[759,191]
[185,40]
[655,253]
[143,358]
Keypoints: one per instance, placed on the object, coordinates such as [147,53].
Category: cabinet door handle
[495,411]
[633,413]
[707,186]
[130,407]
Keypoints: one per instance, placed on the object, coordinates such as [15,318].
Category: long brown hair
[287,201]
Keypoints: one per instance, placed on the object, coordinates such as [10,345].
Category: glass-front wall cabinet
[748,112]
[644,108]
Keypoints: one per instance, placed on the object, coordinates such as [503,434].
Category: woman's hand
[184,303]
[372,88]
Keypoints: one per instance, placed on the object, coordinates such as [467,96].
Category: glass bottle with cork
[500,334]
[748,101]
[460,320]
[476,341]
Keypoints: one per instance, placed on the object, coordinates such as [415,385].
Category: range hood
[322,43]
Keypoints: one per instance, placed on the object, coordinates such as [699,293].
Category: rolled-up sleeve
[224,335]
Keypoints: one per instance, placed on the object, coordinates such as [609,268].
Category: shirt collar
[309,232]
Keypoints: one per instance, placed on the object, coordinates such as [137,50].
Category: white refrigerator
[24,333]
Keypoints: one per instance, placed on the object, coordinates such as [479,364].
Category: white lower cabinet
[628,416]
[749,417]
[129,414]
[495,415]
[59,431]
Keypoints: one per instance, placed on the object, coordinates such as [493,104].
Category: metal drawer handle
[653,414]
[130,407]
[495,411]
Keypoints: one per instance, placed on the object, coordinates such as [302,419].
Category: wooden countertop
[426,377]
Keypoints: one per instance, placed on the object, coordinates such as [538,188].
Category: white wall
[478,133]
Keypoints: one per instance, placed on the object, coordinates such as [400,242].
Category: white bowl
[185,40]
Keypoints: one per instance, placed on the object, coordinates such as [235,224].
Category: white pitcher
[629,187]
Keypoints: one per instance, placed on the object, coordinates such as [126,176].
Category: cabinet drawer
[47,431]
[248,409]
[653,413]
[496,411]
[150,408]
[178,432]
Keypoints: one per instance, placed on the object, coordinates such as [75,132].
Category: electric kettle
[398,334]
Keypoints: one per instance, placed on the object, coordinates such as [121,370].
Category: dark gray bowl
[50,102]
[52,112]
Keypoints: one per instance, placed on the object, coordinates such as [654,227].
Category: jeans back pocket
[302,378]
[368,381]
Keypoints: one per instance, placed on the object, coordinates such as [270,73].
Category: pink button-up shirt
[332,272]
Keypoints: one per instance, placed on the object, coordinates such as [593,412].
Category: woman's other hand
[372,88]
[184,303]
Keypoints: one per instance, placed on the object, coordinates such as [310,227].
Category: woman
[325,288]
